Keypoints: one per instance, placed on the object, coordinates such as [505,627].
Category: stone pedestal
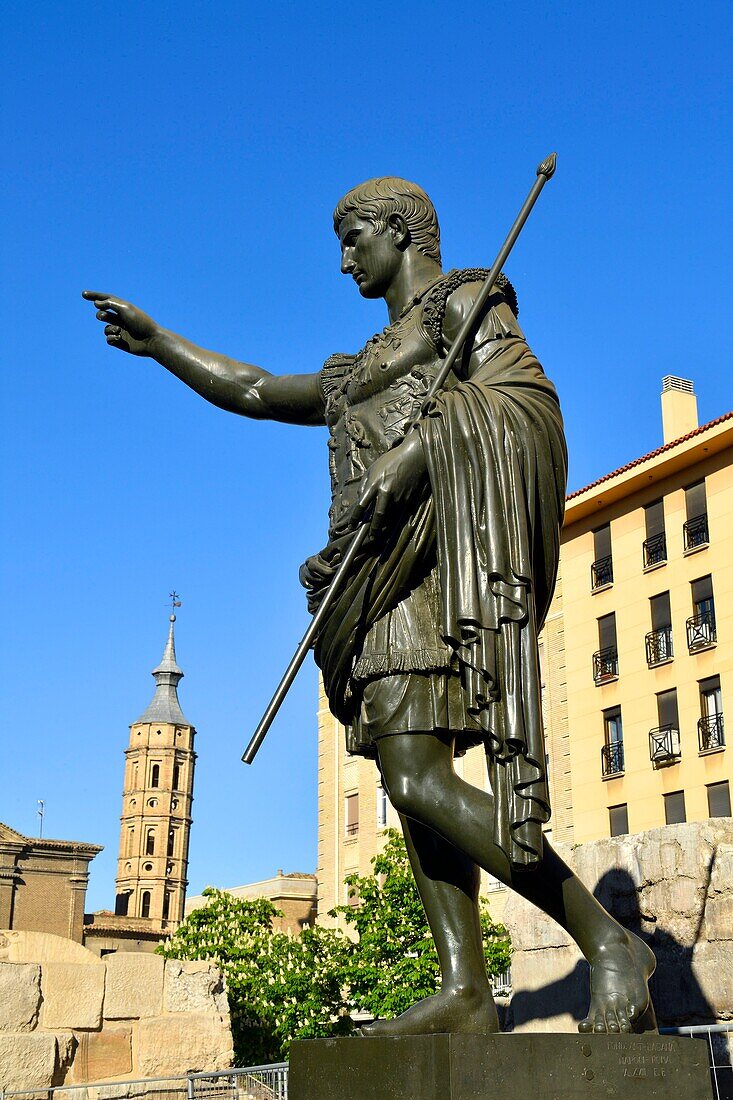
[500,1067]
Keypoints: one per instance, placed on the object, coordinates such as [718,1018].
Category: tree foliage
[283,987]
[280,987]
[394,962]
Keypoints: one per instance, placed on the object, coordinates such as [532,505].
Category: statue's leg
[448,883]
[422,784]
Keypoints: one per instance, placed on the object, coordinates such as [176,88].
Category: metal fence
[719,1039]
[251,1083]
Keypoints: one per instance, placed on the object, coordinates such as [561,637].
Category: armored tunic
[437,629]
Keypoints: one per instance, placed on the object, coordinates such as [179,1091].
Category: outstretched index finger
[94,295]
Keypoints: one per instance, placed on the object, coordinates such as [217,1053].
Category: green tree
[394,962]
[280,987]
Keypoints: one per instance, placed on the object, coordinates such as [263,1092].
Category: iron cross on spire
[175,602]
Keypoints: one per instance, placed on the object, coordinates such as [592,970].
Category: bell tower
[156,803]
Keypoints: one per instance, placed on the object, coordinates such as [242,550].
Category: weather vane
[175,602]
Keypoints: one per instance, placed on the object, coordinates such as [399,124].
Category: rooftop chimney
[679,408]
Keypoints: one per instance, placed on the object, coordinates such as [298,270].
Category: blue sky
[188,156]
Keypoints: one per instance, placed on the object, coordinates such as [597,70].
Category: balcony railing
[664,745]
[612,759]
[659,646]
[353,829]
[601,572]
[710,732]
[605,665]
[695,532]
[654,550]
[701,631]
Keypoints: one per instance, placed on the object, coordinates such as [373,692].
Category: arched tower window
[121,903]
[130,838]
[150,842]
[145,904]
[155,775]
[176,776]
[166,904]
[171,841]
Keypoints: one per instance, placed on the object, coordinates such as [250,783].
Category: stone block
[684,896]
[102,1055]
[41,947]
[483,1067]
[721,875]
[170,1045]
[195,986]
[531,929]
[134,985]
[550,990]
[72,995]
[27,1061]
[719,917]
[20,996]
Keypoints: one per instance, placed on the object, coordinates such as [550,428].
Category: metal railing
[501,984]
[268,1082]
[664,745]
[612,759]
[710,732]
[654,550]
[719,1039]
[605,664]
[352,829]
[701,631]
[659,646]
[601,572]
[695,532]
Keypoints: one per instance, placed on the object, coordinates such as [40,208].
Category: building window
[352,814]
[659,640]
[719,799]
[710,728]
[605,659]
[601,571]
[654,547]
[145,904]
[618,819]
[352,895]
[381,807]
[166,904]
[674,808]
[147,866]
[664,739]
[155,775]
[695,530]
[130,839]
[171,841]
[176,776]
[701,627]
[612,753]
[122,901]
[150,842]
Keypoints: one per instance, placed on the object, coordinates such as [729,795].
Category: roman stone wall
[68,1017]
[673,886]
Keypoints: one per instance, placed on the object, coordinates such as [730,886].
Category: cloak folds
[496,459]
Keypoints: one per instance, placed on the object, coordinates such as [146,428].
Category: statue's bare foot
[619,989]
[470,1012]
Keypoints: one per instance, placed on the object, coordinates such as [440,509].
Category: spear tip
[548,166]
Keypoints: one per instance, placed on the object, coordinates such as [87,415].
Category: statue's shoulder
[457,291]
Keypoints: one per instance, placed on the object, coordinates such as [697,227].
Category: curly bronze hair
[376,199]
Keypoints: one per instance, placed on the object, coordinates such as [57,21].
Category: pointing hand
[126,326]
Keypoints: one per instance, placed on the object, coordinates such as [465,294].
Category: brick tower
[156,804]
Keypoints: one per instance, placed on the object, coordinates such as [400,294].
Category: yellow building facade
[636,659]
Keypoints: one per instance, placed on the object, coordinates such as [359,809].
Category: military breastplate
[371,398]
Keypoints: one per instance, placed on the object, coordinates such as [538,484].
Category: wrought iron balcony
[654,550]
[710,732]
[605,665]
[659,646]
[701,631]
[353,829]
[612,759]
[695,532]
[664,745]
[601,572]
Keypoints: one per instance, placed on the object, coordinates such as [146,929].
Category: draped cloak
[489,523]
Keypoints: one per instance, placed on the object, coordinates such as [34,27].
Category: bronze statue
[431,644]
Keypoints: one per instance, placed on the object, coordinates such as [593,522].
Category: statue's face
[371,258]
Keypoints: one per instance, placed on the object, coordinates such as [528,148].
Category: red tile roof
[651,454]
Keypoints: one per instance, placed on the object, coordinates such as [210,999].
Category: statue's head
[377,199]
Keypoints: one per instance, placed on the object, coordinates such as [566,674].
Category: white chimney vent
[679,408]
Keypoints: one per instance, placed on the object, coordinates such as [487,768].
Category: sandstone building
[294,894]
[636,659]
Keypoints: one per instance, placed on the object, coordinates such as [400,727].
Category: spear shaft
[545,171]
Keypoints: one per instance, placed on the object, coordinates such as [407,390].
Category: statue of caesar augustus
[431,646]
